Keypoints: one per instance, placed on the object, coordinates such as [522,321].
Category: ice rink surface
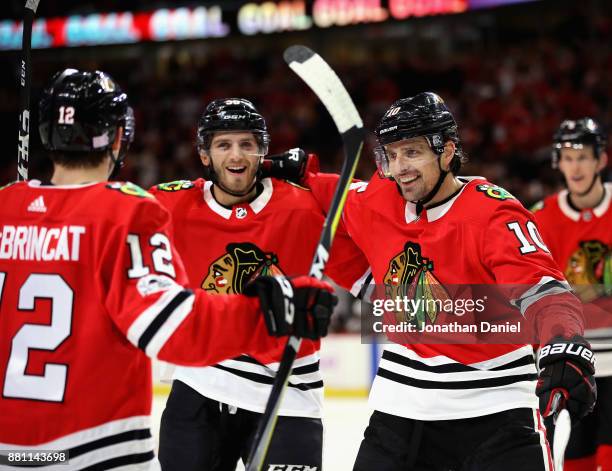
[344,421]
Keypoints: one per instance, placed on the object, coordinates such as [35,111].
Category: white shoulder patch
[151,284]
[359,187]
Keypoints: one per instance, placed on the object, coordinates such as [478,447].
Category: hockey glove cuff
[567,366]
[300,306]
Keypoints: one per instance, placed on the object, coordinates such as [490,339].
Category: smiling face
[414,166]
[235,158]
[579,167]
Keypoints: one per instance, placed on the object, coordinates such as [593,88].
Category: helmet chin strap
[591,186]
[420,204]
[116,164]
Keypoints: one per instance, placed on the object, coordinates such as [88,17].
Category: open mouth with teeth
[236,170]
[408,180]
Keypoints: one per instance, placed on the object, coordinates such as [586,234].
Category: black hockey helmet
[81,111]
[576,134]
[425,115]
[129,129]
[231,114]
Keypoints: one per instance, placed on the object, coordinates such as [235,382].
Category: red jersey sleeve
[143,282]
[323,186]
[519,260]
[347,266]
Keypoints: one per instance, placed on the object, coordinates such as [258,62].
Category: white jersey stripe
[103,443]
[455,376]
[169,326]
[246,384]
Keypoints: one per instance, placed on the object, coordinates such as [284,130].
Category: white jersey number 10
[526,243]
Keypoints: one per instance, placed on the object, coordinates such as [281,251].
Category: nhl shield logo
[241,213]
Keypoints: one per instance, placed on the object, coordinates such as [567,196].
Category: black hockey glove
[567,366]
[291,165]
[300,306]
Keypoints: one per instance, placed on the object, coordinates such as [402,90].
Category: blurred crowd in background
[510,77]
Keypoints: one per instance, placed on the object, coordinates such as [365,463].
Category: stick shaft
[25,79]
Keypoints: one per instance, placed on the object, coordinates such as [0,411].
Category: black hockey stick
[324,82]
[25,79]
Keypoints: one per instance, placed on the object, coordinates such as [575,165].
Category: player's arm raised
[145,291]
[515,253]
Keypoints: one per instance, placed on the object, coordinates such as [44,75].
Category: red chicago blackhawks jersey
[223,249]
[580,241]
[90,288]
[481,235]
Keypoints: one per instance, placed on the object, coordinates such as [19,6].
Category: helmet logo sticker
[436,140]
[107,84]
[100,141]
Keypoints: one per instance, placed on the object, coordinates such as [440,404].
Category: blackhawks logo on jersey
[410,275]
[495,192]
[176,185]
[589,270]
[128,188]
[233,270]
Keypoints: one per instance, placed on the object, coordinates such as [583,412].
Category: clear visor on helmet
[412,150]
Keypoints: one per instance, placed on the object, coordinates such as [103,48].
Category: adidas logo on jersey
[38,205]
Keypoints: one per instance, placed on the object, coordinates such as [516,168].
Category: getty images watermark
[410,316]
[464,314]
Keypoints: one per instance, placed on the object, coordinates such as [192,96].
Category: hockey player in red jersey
[576,225]
[463,407]
[230,228]
[91,287]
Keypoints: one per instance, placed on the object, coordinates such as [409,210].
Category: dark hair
[78,159]
[459,158]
